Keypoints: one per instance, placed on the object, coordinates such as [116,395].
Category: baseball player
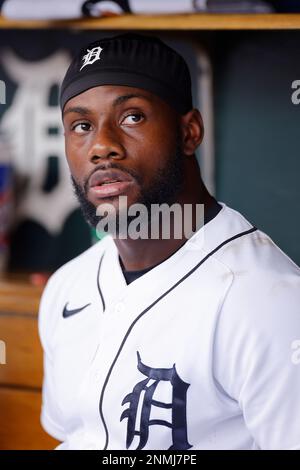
[162,342]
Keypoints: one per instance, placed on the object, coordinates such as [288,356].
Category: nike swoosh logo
[68,313]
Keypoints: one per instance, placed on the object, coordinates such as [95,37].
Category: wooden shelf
[22,372]
[19,297]
[188,22]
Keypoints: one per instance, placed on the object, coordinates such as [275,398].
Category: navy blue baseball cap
[131,60]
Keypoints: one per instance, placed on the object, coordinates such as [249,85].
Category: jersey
[197,353]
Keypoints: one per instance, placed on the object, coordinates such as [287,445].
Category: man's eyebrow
[77,109]
[118,101]
[123,98]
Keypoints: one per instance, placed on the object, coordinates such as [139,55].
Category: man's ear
[192,131]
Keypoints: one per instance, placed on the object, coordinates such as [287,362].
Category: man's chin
[113,218]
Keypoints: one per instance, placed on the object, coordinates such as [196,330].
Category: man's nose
[106,144]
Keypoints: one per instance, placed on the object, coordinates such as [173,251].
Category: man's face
[122,141]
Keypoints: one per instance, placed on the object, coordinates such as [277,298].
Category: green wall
[258,131]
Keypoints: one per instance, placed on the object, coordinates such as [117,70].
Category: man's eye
[81,127]
[133,118]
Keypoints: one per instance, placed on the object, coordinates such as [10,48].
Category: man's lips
[106,183]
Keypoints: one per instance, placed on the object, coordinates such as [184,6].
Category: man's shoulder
[76,276]
[75,282]
[265,287]
[87,260]
[253,253]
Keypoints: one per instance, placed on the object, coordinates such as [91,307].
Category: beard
[166,185]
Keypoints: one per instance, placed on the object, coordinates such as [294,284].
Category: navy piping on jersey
[98,284]
[241,234]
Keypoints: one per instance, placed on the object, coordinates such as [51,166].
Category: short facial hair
[165,187]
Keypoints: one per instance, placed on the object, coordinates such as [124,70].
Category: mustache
[111,166]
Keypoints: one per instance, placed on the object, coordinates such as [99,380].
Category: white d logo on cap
[92,56]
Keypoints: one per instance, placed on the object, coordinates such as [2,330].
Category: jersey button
[119,308]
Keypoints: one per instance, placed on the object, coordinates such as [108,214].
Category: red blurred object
[39,279]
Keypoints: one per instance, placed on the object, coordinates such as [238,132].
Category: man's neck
[141,253]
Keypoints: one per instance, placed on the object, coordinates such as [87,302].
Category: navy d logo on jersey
[91,56]
[145,401]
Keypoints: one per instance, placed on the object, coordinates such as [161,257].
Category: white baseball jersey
[198,353]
